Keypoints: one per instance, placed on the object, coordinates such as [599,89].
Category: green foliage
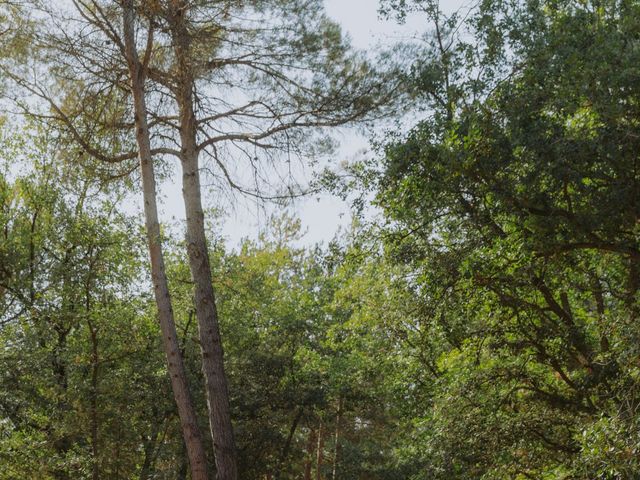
[486,327]
[81,369]
[515,206]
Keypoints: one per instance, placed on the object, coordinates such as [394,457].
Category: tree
[137,75]
[284,64]
[514,204]
[104,148]
[286,79]
[82,379]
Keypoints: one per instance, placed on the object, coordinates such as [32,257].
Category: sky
[322,216]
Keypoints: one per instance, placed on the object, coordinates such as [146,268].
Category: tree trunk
[186,412]
[208,327]
[95,364]
[319,451]
[336,446]
[183,467]
[64,443]
[287,446]
[151,444]
[206,312]
[308,463]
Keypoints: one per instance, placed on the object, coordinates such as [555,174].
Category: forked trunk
[186,412]
[206,312]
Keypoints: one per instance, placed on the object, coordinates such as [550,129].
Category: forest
[479,318]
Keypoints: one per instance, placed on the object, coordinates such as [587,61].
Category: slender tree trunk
[336,446]
[186,412]
[149,452]
[183,464]
[308,462]
[95,474]
[208,326]
[151,443]
[633,285]
[319,451]
[206,311]
[287,446]
[63,444]
[600,308]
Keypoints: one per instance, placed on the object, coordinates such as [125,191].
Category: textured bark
[208,325]
[186,412]
[206,313]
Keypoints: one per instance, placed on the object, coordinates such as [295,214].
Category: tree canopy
[478,320]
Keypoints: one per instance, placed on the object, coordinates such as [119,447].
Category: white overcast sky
[321,217]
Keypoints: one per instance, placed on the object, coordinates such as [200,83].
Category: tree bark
[206,312]
[186,412]
[208,325]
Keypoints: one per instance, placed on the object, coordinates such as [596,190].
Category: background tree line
[484,324]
